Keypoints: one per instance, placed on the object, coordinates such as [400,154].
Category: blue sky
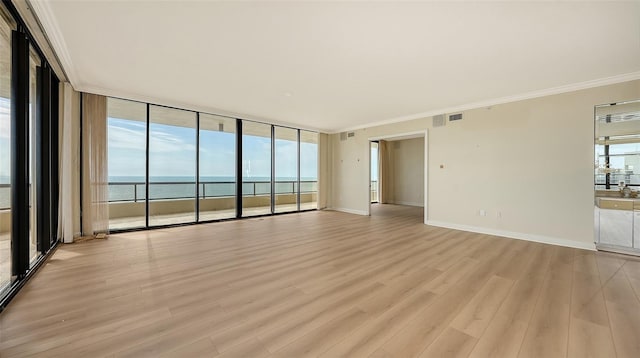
[173,152]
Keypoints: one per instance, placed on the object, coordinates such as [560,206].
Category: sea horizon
[190,179]
[4,180]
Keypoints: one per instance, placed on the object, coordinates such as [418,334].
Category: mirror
[617,177]
[617,147]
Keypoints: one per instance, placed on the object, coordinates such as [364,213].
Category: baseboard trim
[516,235]
[408,203]
[618,249]
[349,211]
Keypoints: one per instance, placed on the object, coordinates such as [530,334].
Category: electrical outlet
[482,212]
[499,215]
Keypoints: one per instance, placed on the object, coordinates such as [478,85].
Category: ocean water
[130,188]
[174,187]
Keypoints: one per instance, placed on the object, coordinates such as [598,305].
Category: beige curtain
[69,166]
[385,173]
[95,200]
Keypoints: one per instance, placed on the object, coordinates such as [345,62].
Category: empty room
[319,178]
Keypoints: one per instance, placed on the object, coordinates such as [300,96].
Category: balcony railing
[5,196]
[135,191]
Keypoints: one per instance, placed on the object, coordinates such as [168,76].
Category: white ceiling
[337,65]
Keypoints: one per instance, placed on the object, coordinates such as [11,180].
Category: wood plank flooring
[325,284]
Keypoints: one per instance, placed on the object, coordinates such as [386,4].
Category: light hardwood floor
[325,284]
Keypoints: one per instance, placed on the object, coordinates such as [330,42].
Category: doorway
[397,177]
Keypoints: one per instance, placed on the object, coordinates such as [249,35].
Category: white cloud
[125,138]
[163,142]
[5,157]
[5,127]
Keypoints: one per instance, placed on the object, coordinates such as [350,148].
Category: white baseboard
[516,235]
[618,249]
[408,203]
[349,211]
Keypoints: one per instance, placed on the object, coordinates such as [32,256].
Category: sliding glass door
[156,153]
[28,154]
[34,102]
[172,166]
[217,160]
[256,168]
[127,163]
[286,169]
[6,26]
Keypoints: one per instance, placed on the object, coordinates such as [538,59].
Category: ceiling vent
[439,120]
[455,117]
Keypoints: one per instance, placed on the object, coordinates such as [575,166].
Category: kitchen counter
[610,202]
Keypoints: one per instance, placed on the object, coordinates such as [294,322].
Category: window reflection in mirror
[617,147]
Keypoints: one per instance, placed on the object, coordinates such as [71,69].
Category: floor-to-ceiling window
[127,163]
[308,170]
[34,65]
[172,166]
[162,151]
[256,168]
[286,169]
[6,26]
[217,170]
[28,154]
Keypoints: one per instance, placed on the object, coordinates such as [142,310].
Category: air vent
[439,120]
[346,135]
[455,117]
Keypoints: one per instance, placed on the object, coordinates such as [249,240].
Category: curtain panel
[95,181]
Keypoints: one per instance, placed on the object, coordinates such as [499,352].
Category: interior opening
[397,177]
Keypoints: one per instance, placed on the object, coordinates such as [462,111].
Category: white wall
[407,171]
[531,161]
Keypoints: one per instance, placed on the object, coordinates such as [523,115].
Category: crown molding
[52,31]
[502,100]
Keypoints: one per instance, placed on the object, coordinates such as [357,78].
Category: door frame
[400,136]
